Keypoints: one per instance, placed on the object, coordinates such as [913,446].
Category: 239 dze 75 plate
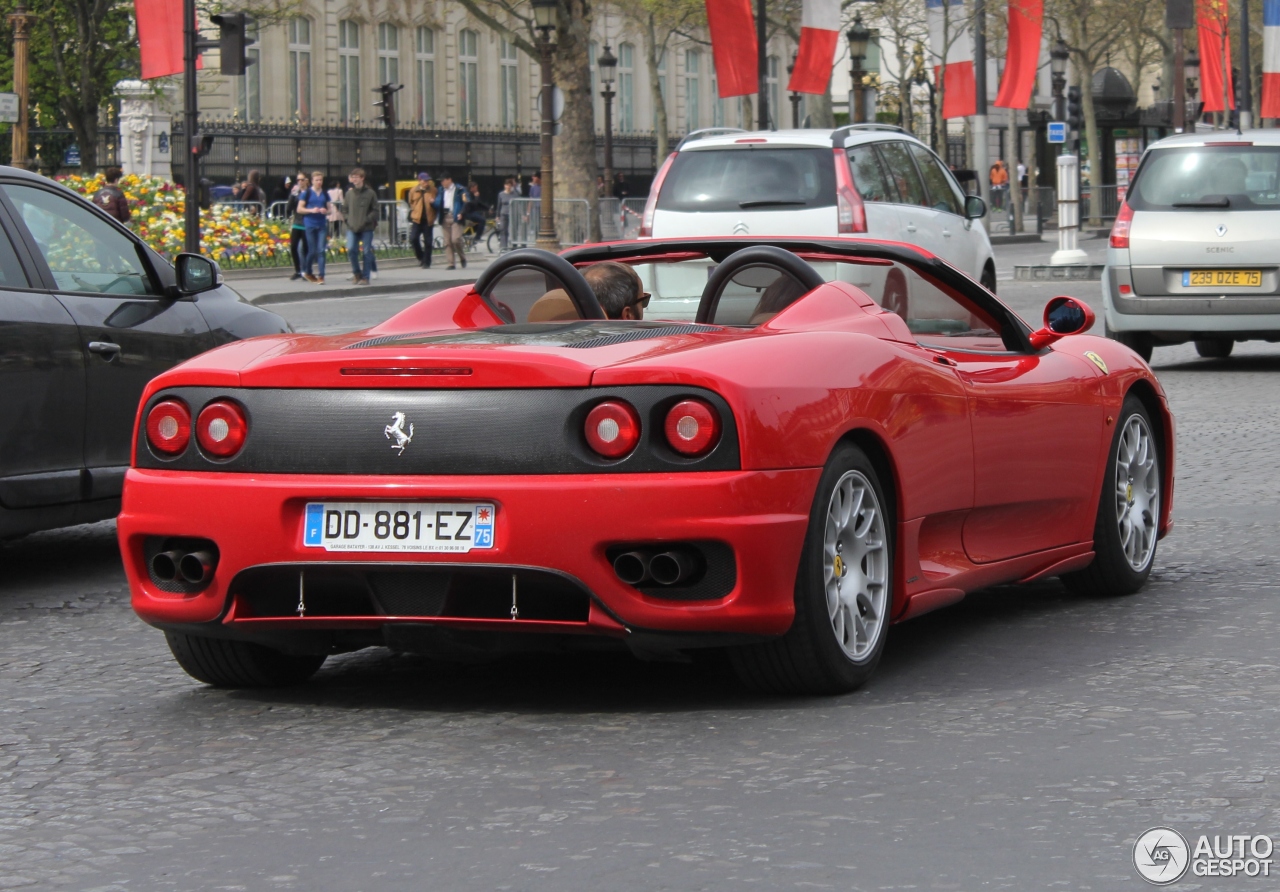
[801,444]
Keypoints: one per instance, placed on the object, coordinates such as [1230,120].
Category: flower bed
[230,236]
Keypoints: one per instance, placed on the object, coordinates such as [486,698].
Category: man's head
[535,178]
[473,188]
[446,180]
[509,184]
[317,180]
[424,178]
[112,174]
[356,177]
[618,288]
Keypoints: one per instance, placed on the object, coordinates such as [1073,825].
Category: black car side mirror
[197,273]
[1062,316]
[974,207]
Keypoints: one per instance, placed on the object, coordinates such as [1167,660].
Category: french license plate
[398,526]
[1219,278]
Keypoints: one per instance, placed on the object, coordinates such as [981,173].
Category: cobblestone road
[1020,740]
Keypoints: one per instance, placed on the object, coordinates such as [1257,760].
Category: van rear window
[1213,178]
[738,179]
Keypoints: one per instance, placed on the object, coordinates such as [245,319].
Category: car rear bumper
[1231,313]
[550,530]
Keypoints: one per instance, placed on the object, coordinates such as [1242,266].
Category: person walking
[449,204]
[535,186]
[999,183]
[335,209]
[298,227]
[111,198]
[252,192]
[422,218]
[360,207]
[504,213]
[313,204]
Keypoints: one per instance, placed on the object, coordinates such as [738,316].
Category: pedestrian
[504,213]
[475,211]
[111,198]
[422,218]
[252,192]
[298,227]
[999,182]
[601,187]
[620,187]
[313,204]
[535,186]
[360,207]
[335,209]
[449,203]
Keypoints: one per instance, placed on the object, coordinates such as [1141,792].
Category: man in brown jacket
[422,218]
[111,197]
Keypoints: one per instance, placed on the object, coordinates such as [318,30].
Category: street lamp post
[1058,58]
[544,13]
[858,35]
[608,64]
[19,21]
[795,97]
[1191,70]
[921,77]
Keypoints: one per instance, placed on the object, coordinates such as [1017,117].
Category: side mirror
[974,207]
[1062,316]
[197,273]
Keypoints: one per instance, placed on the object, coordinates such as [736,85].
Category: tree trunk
[748,113]
[820,114]
[652,54]
[575,148]
[1095,148]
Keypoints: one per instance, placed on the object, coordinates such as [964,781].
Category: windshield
[738,179]
[1239,177]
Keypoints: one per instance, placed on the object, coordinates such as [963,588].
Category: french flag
[816,57]
[1271,59]
[949,41]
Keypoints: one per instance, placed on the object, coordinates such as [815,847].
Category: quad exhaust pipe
[671,567]
[193,568]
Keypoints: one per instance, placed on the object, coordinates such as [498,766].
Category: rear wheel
[1215,348]
[988,280]
[843,593]
[1140,342]
[1125,531]
[239,664]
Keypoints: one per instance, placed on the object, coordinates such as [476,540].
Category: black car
[88,315]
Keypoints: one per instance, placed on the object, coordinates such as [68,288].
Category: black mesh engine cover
[454,432]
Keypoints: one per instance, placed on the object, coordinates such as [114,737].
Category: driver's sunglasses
[643,301]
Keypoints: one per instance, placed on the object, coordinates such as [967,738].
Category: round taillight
[169,427]
[692,427]
[221,429]
[613,429]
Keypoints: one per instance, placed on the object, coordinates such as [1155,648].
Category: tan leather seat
[554,306]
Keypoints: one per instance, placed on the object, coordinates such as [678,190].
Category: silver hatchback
[1195,249]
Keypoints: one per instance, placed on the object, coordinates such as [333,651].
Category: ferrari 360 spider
[806,442]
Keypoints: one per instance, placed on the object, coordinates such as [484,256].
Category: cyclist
[475,211]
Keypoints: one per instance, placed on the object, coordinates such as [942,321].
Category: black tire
[1111,572]
[492,242]
[1215,348]
[809,658]
[988,280]
[1140,342]
[239,664]
[438,243]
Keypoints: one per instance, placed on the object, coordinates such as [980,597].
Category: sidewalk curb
[1022,238]
[320,291]
[231,275]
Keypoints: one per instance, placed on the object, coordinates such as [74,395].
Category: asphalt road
[1020,740]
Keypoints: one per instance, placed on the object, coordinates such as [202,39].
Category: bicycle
[491,240]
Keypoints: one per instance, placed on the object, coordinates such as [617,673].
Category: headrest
[554,306]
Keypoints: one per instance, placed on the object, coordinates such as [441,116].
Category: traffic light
[388,102]
[1075,111]
[233,37]
[201,144]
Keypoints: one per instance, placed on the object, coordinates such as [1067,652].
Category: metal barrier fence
[1100,204]
[252,207]
[573,221]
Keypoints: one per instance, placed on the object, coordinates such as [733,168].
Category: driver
[618,288]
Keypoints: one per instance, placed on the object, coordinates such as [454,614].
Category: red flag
[819,32]
[160,37]
[1022,59]
[950,42]
[733,46]
[1215,42]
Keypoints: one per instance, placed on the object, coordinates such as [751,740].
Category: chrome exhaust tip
[632,567]
[673,567]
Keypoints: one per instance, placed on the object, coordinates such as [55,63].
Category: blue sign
[1057,131]
[71,157]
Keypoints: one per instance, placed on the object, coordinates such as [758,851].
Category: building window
[468,77]
[348,71]
[389,58]
[425,61]
[626,87]
[717,104]
[510,85]
[772,79]
[300,68]
[249,86]
[692,113]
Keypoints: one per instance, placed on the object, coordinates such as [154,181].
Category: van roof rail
[705,132]
[838,135]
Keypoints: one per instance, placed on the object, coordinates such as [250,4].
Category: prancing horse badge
[1096,360]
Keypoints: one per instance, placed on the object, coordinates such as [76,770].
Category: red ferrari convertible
[813,440]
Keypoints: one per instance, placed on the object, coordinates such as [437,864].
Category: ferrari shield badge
[395,431]
[1096,360]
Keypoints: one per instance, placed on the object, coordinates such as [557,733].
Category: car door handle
[911,227]
[105,349]
[946,233]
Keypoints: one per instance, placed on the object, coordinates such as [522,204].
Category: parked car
[500,467]
[88,315]
[881,183]
[1193,248]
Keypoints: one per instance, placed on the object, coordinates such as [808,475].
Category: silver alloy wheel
[1137,492]
[855,563]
